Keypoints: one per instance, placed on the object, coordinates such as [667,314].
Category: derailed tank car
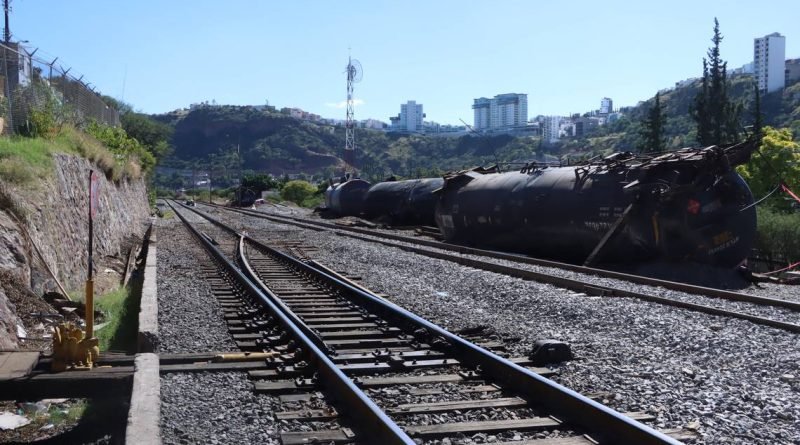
[409,202]
[685,205]
[346,197]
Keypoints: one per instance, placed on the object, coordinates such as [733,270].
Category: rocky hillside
[51,215]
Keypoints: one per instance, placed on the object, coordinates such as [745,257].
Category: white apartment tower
[481,113]
[606,106]
[769,62]
[551,129]
[504,111]
[409,119]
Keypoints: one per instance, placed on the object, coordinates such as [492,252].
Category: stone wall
[56,213]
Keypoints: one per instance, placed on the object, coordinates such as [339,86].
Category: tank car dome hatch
[346,198]
[688,205]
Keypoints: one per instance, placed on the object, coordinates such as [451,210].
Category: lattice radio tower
[354,75]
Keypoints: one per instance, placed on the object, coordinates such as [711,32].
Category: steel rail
[601,422]
[373,422]
[638,279]
[570,283]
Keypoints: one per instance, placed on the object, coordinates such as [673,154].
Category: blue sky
[565,55]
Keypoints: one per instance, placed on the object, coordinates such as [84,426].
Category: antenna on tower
[354,75]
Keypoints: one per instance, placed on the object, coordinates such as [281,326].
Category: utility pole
[7,31]
[210,175]
[7,41]
[239,160]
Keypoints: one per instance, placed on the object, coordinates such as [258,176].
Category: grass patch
[25,161]
[59,415]
[313,201]
[120,311]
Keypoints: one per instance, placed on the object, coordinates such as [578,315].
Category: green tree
[259,182]
[779,234]
[717,118]
[297,191]
[154,135]
[778,159]
[758,117]
[652,132]
[122,145]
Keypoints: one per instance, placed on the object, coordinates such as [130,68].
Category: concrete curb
[144,415]
[148,306]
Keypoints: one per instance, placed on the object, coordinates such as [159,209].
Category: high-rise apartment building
[606,106]
[769,62]
[551,128]
[481,111]
[504,111]
[409,119]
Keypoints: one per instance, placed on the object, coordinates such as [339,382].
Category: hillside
[278,144]
[780,109]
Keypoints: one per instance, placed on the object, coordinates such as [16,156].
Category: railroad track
[783,308]
[392,375]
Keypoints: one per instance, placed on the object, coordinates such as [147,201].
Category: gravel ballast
[221,408]
[189,316]
[726,377]
[733,381]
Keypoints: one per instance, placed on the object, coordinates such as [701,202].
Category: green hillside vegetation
[25,160]
[780,109]
[279,144]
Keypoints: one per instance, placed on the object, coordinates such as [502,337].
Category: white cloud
[342,104]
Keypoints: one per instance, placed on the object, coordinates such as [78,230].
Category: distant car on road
[190,202]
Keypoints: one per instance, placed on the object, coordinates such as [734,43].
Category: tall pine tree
[653,128]
[716,116]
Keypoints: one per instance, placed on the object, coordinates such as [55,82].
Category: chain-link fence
[33,87]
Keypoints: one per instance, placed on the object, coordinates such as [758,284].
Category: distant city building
[551,128]
[299,113]
[373,124]
[502,112]
[445,130]
[481,113]
[686,82]
[792,70]
[747,68]
[606,106]
[769,62]
[410,118]
[584,125]
[17,67]
[566,128]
